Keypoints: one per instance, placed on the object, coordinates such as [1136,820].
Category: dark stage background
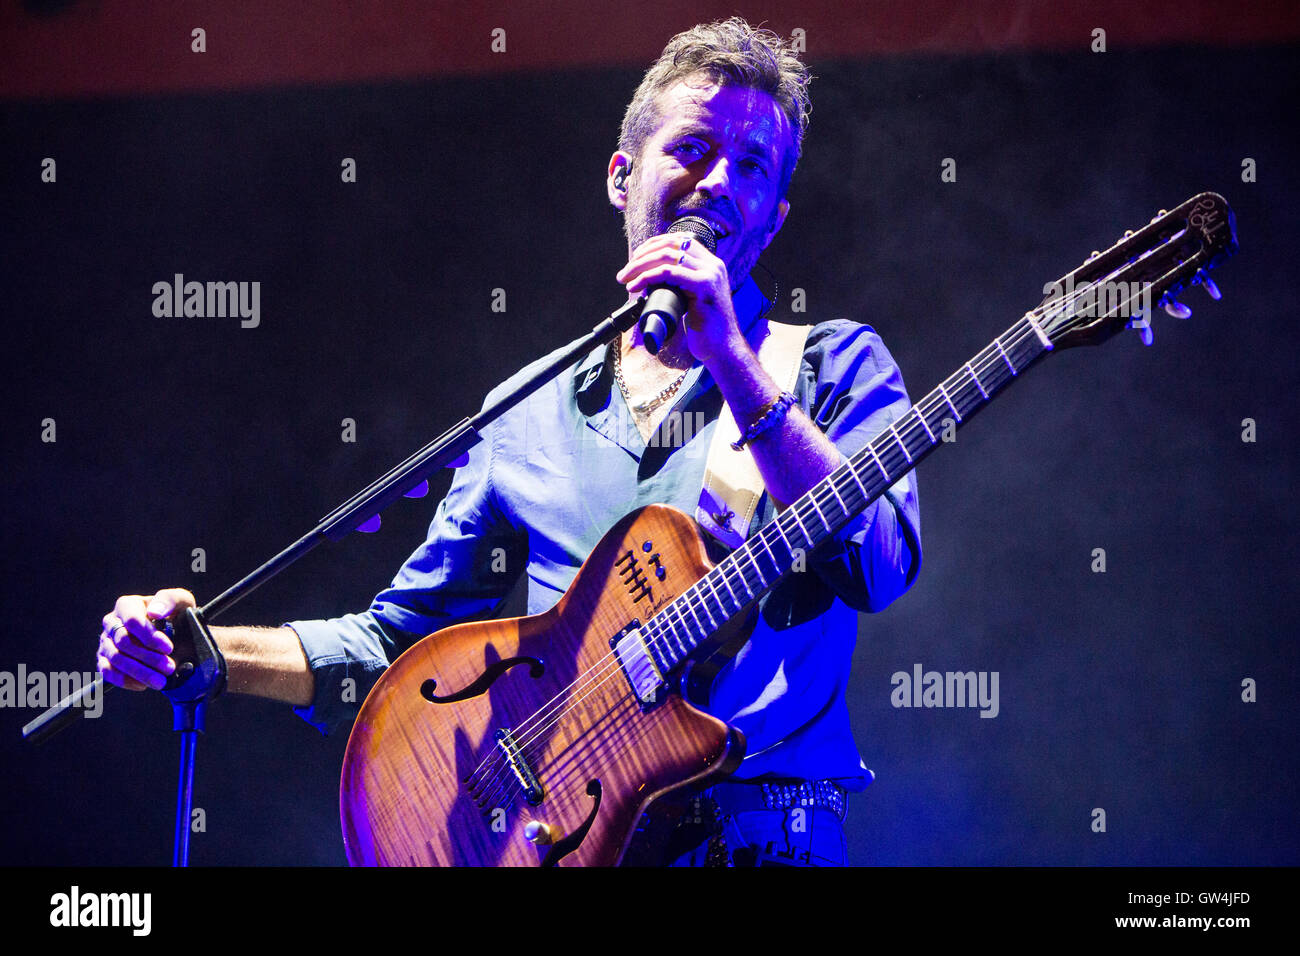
[1119,690]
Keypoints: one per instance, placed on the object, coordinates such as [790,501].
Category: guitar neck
[762,561]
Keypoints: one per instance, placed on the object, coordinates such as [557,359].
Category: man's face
[718,153]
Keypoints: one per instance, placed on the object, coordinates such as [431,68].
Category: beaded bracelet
[771,415]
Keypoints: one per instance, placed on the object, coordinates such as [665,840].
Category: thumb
[166,601]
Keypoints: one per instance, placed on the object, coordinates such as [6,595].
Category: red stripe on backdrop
[102,47]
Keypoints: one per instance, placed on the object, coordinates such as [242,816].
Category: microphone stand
[201,676]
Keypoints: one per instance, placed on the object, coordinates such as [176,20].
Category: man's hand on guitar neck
[262,661]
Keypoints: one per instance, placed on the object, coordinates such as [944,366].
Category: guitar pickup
[638,665]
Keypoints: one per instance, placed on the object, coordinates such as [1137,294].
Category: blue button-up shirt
[553,474]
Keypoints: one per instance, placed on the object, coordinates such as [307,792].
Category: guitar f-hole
[537,667]
[564,847]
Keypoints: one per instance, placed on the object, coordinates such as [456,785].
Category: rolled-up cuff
[856,530]
[874,558]
[835,550]
[346,656]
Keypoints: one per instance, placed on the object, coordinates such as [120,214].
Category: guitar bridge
[524,775]
[638,665]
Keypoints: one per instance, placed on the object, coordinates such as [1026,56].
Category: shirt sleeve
[851,388]
[465,568]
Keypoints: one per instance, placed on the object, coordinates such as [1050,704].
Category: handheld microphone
[664,305]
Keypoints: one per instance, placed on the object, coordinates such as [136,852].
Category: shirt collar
[749,304]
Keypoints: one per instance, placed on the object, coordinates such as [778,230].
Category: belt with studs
[739,796]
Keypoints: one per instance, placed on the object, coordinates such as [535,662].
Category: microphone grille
[698,228]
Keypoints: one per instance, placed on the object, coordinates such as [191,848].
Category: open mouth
[719,227]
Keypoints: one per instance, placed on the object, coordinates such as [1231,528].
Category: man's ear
[616,185]
[778,220]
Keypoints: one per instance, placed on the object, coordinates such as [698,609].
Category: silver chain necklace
[644,408]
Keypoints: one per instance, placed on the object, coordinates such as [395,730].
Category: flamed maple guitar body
[415,788]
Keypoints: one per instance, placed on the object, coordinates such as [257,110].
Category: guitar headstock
[1120,286]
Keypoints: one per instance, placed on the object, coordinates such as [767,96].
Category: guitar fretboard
[762,561]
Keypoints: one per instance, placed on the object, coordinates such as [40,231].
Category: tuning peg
[1210,287]
[1177,309]
[370,526]
[1143,325]
[1159,214]
[419,491]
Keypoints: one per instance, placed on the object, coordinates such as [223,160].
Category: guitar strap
[732,483]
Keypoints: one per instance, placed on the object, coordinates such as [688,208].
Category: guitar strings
[655,632]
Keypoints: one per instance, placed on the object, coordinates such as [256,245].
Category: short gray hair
[732,53]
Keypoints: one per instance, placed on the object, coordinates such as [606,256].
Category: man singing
[714,131]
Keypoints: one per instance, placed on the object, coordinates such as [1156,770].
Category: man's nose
[717,181]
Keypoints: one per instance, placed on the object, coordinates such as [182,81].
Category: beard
[646,217]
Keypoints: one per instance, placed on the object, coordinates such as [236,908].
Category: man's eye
[755,167]
[688,149]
